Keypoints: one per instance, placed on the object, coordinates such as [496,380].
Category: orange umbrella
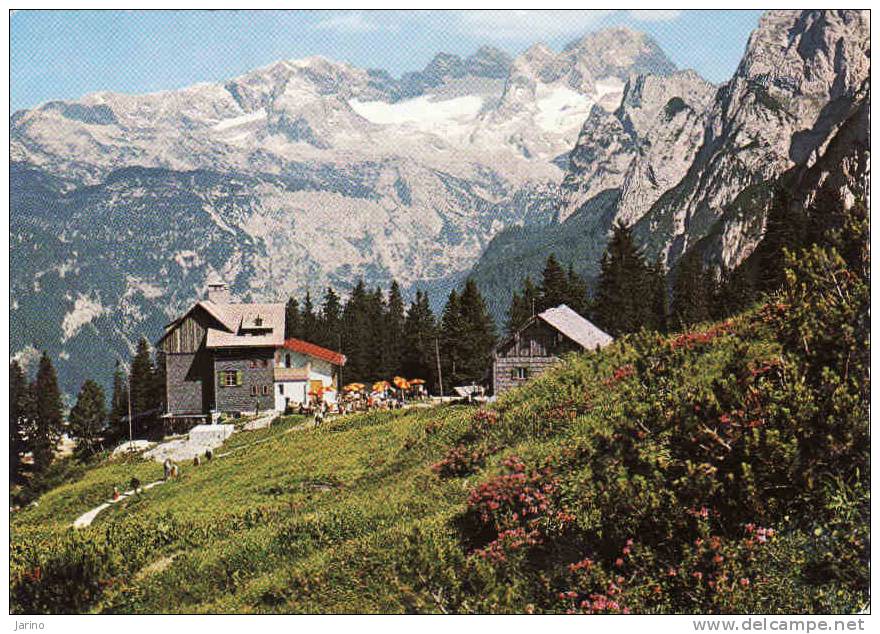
[417,381]
[381,386]
[353,387]
[401,382]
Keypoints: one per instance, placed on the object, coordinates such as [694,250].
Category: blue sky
[67,54]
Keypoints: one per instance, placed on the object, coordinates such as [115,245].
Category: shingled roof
[247,325]
[575,327]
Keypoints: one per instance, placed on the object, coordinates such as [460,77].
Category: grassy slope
[352,518]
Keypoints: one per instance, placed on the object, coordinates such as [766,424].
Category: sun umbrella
[417,381]
[353,387]
[381,386]
[401,382]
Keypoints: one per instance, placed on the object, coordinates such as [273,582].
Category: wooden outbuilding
[539,343]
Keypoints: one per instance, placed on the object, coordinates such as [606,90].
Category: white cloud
[658,15]
[350,22]
[529,25]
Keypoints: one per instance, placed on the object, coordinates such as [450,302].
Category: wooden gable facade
[189,365]
[528,353]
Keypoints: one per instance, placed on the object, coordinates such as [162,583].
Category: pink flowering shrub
[461,461]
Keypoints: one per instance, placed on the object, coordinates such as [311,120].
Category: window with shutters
[229,378]
[265,390]
[519,374]
[253,390]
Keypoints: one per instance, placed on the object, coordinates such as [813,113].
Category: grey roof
[575,327]
[238,318]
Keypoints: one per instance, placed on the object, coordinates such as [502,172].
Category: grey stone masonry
[250,373]
[185,377]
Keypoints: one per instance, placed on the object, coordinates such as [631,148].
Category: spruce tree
[19,404]
[330,321]
[292,322]
[523,306]
[377,351]
[88,418]
[419,331]
[393,331]
[692,292]
[479,335]
[451,335]
[308,319]
[555,288]
[659,297]
[48,420]
[158,394]
[119,404]
[622,303]
[786,230]
[576,295]
[356,334]
[142,381]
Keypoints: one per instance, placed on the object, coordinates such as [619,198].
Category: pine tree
[576,296]
[451,335]
[692,292]
[377,357]
[786,229]
[356,334]
[659,297]
[48,421]
[523,306]
[88,418]
[308,319]
[19,402]
[292,322]
[330,321]
[142,381]
[419,331]
[119,404]
[621,304]
[158,393]
[479,335]
[555,287]
[393,331]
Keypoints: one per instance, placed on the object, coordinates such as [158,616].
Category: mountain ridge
[293,176]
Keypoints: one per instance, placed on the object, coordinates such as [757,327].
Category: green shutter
[219,378]
[239,377]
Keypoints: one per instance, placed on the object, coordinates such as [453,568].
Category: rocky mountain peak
[489,61]
[619,52]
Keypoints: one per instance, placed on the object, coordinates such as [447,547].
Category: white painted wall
[293,390]
[297,391]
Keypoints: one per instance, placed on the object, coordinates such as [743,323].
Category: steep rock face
[799,79]
[693,167]
[642,148]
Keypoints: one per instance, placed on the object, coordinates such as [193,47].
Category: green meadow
[721,470]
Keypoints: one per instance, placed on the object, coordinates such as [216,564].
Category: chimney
[218,292]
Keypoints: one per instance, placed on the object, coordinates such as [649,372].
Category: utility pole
[128,387]
[439,370]
[339,376]
[130,436]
